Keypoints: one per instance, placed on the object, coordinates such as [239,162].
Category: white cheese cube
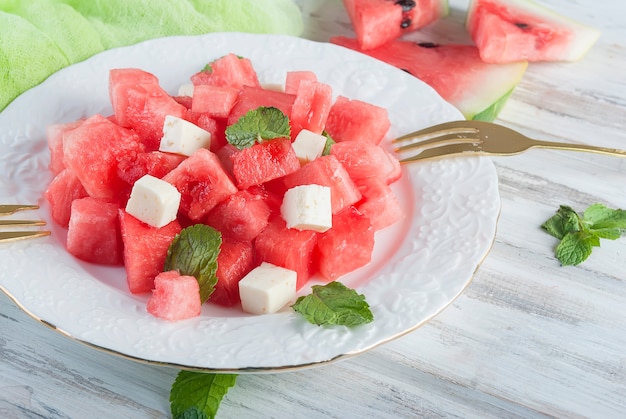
[308,145]
[267,288]
[307,207]
[183,137]
[153,201]
[185,90]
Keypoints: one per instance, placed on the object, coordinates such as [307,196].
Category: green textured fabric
[39,37]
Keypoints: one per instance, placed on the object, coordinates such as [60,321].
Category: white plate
[420,265]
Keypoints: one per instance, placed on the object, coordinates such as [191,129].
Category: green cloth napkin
[39,37]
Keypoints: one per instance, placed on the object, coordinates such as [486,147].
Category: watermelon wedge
[522,30]
[457,72]
[377,22]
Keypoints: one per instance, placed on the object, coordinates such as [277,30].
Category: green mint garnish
[578,235]
[334,304]
[257,125]
[329,143]
[207,69]
[198,395]
[194,252]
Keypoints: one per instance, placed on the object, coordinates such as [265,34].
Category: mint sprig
[194,252]
[329,143]
[257,125]
[578,234]
[196,395]
[334,304]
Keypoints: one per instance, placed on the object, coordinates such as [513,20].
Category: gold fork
[480,138]
[17,235]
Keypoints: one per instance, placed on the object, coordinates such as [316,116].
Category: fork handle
[578,147]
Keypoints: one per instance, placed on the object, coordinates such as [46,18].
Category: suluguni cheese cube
[308,207]
[308,145]
[153,201]
[183,137]
[267,288]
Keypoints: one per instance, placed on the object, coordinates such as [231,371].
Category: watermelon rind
[569,39]
[492,112]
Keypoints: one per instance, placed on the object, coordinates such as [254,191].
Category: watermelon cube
[347,246]
[62,191]
[327,171]
[54,135]
[145,250]
[93,233]
[234,261]
[311,107]
[293,79]
[93,151]
[140,103]
[155,163]
[229,70]
[175,297]
[241,216]
[215,101]
[355,120]
[263,162]
[379,203]
[202,182]
[287,247]
[364,160]
[254,97]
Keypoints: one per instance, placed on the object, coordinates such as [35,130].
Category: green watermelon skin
[457,72]
[508,31]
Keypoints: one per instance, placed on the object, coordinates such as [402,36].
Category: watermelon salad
[293,181]
[476,77]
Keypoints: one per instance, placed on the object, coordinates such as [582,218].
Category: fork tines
[443,139]
[17,235]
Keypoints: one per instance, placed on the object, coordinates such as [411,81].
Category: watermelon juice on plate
[419,266]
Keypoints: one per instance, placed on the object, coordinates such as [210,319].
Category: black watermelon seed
[521,25]
[428,44]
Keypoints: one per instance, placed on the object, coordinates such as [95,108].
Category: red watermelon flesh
[287,247]
[355,120]
[175,297]
[379,203]
[154,163]
[520,30]
[54,135]
[327,171]
[215,101]
[456,72]
[62,191]
[311,107]
[215,126]
[229,70]
[255,97]
[364,160]
[202,183]
[293,79]
[93,151]
[241,216]
[377,22]
[234,261]
[347,246]
[263,162]
[93,233]
[145,250]
[140,103]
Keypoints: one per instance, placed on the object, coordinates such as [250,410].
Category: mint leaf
[329,143]
[576,247]
[600,217]
[207,69]
[257,125]
[198,395]
[334,304]
[194,252]
[565,221]
[579,235]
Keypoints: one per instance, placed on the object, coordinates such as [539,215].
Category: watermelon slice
[522,30]
[457,72]
[377,22]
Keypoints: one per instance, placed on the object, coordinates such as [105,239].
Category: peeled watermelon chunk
[521,30]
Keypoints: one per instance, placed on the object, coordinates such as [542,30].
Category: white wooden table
[528,338]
